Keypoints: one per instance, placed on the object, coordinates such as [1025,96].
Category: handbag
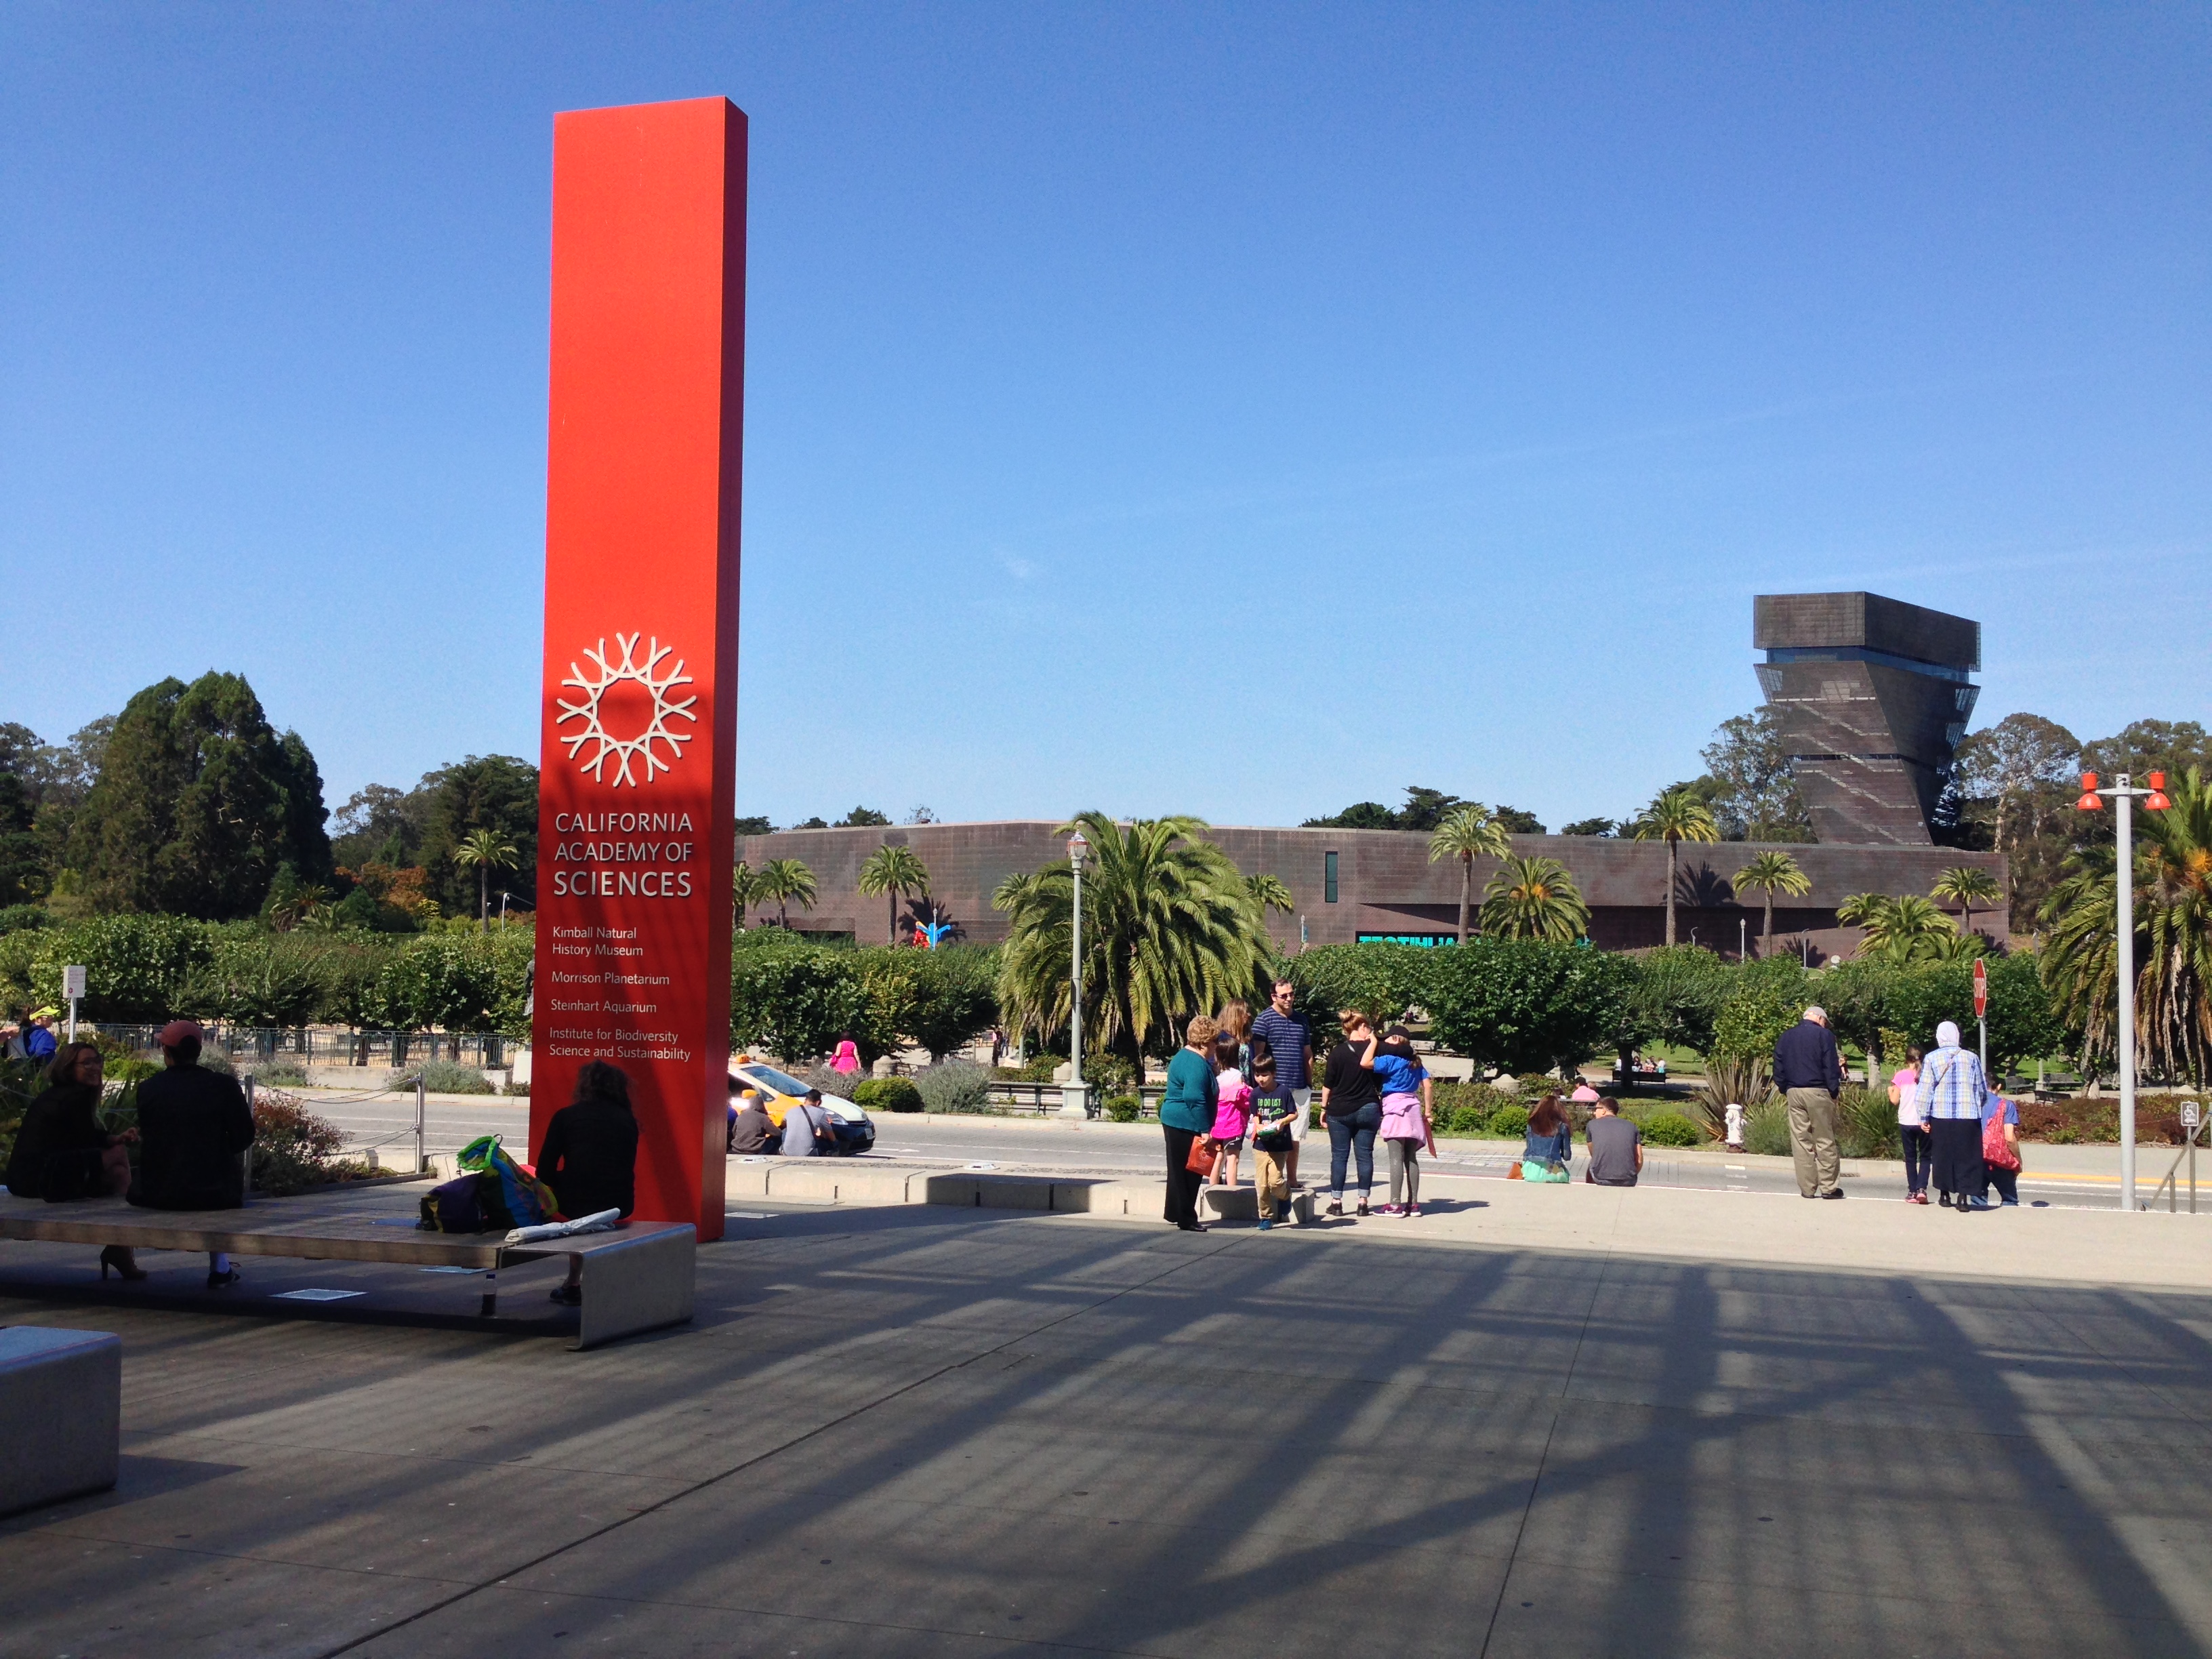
[1514,1174]
[1996,1151]
[1200,1158]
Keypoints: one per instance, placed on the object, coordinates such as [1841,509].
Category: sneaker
[1387,1209]
[568,1295]
[1411,1210]
[1265,1223]
[1834,1193]
[1362,1210]
[1335,1208]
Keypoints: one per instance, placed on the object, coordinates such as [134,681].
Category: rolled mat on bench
[600,1222]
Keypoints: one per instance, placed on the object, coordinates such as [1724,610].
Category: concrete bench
[61,1396]
[637,1278]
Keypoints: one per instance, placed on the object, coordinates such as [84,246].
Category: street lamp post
[2123,967]
[1075,1098]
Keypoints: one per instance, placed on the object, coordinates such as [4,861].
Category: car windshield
[782,1082]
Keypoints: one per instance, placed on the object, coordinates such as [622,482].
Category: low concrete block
[833,1181]
[61,1396]
[744,1180]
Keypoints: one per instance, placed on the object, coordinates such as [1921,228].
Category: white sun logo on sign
[627,757]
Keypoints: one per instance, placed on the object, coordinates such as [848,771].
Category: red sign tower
[639,703]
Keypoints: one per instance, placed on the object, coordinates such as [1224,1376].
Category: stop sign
[1981,989]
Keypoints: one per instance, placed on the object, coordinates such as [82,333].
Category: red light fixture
[2156,800]
[2089,801]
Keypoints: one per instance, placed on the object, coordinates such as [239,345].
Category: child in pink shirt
[1233,1109]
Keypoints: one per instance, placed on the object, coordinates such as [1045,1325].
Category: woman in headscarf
[1952,1095]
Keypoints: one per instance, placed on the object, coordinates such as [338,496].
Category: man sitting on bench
[193,1125]
[590,1156]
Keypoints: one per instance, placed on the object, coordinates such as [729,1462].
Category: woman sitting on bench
[62,1152]
[590,1156]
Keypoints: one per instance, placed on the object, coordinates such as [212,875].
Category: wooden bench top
[366,1226]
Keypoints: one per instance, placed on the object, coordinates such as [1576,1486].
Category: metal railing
[323,1046]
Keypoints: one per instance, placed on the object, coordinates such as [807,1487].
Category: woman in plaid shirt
[1951,1095]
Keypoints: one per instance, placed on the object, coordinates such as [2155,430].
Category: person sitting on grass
[589,1158]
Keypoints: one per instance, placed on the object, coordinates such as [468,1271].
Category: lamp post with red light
[2123,795]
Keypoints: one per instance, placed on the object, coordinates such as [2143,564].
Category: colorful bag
[510,1194]
[1996,1151]
[1200,1158]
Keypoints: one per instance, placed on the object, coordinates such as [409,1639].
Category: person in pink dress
[1232,1108]
[847,1060]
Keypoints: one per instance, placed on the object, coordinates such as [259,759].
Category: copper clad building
[1871,696]
[1373,883]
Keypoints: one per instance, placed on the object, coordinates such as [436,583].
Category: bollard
[422,1093]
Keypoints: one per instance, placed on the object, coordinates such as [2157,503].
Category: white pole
[2125,972]
[1075,1020]
[72,1034]
[421,1091]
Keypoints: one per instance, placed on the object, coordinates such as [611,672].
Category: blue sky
[1237,410]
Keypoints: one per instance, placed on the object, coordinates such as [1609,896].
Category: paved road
[2063,1176]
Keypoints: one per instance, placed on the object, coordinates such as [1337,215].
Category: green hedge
[887,1094]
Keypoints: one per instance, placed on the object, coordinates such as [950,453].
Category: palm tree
[1535,898]
[1169,927]
[1903,929]
[1467,833]
[1269,893]
[744,888]
[1966,885]
[2174,939]
[486,850]
[895,871]
[782,880]
[1771,873]
[1676,816]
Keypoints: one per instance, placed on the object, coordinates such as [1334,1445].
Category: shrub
[1037,1068]
[278,1073]
[1109,1071]
[294,1149]
[1671,1129]
[887,1094]
[954,1085]
[1510,1122]
[1526,1003]
[1124,1109]
[24,918]
[1731,1080]
[1866,1124]
[1766,1130]
[442,1077]
[521,1089]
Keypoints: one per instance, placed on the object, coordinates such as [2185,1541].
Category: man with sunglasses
[1289,1039]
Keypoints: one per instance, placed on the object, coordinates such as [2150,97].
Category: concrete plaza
[1560,1420]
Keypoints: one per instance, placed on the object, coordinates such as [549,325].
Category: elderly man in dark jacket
[1809,1071]
[193,1126]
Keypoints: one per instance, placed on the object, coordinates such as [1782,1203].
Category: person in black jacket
[1809,1071]
[62,1152]
[589,1158]
[194,1125]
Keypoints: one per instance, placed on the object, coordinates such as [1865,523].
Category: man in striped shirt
[1951,1096]
[1289,1039]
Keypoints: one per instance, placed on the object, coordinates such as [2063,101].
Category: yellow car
[780,1091]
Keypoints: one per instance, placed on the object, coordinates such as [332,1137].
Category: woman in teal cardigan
[1186,1116]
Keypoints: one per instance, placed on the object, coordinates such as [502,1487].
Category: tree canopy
[199,803]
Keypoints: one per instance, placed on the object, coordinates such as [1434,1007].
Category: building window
[1328,878]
